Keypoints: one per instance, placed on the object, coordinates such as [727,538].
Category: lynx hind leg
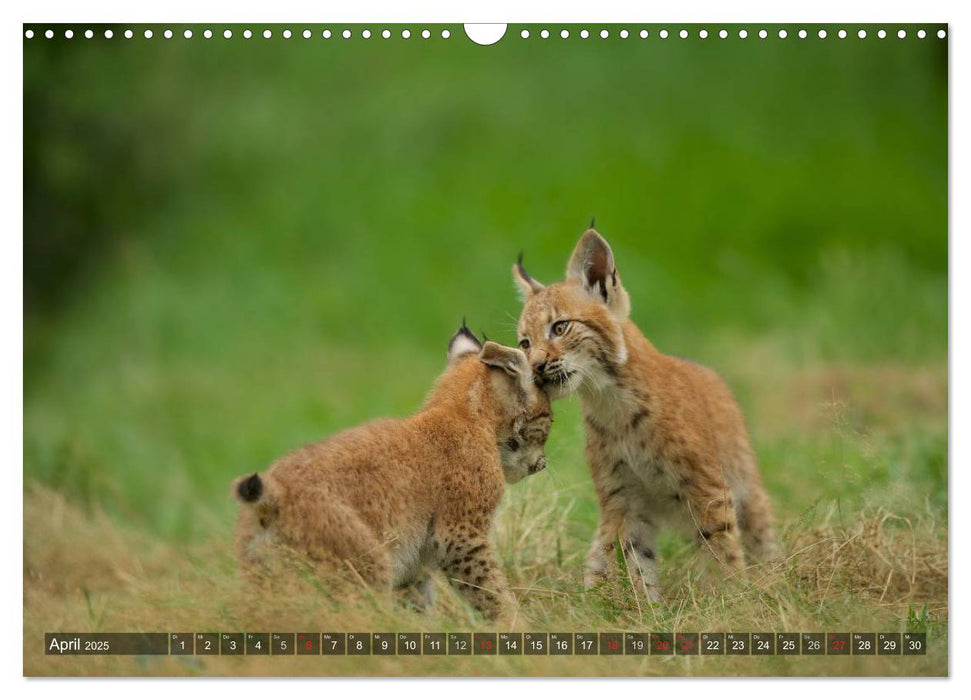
[755,522]
[254,548]
[471,567]
[712,509]
[418,595]
[337,539]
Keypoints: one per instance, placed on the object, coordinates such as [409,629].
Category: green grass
[234,248]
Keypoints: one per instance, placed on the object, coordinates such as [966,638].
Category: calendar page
[598,349]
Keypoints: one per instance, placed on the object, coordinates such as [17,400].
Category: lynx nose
[538,466]
[539,358]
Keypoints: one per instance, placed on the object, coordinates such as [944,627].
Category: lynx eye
[559,328]
[524,343]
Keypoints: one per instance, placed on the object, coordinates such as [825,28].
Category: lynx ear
[527,285]
[592,266]
[462,343]
[512,360]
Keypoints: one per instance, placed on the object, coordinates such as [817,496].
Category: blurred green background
[233,247]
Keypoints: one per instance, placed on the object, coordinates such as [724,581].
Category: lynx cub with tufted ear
[666,441]
[393,498]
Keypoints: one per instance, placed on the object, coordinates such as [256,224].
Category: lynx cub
[393,497]
[666,441]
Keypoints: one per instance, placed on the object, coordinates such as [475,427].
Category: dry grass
[864,573]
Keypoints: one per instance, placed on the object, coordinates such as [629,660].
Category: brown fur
[392,498]
[666,441]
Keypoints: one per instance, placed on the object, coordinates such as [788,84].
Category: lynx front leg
[639,553]
[602,555]
[471,567]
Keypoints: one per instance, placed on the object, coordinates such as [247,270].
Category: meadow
[235,247]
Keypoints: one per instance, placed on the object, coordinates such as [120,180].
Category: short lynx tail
[250,489]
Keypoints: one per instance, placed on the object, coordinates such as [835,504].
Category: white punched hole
[882,34]
[723,34]
[663,34]
[347,33]
[489,34]
[446,34]
[207,34]
[742,34]
[326,34]
[386,34]
[861,33]
[524,34]
[167,33]
[425,34]
[247,34]
[68,34]
[564,34]
[545,34]
[406,34]
[88,34]
[624,33]
[287,34]
[703,33]
[644,34]
[29,34]
[921,34]
[901,34]
[227,34]
[365,34]
[783,34]
[187,33]
[803,34]
[129,33]
[584,34]
[683,34]
[763,34]
[941,34]
[841,33]
[307,34]
[821,33]
[148,34]
[49,34]
[604,33]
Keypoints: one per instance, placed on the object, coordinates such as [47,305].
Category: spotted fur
[665,439]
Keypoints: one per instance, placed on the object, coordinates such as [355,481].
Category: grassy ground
[231,263]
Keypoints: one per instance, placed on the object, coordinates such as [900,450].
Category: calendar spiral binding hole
[426,33]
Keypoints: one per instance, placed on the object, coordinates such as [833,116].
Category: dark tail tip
[519,259]
[593,222]
[250,489]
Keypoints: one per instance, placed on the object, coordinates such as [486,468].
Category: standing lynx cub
[666,441]
[392,498]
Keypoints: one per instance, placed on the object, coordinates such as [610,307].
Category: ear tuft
[592,265]
[527,285]
[463,343]
[511,360]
